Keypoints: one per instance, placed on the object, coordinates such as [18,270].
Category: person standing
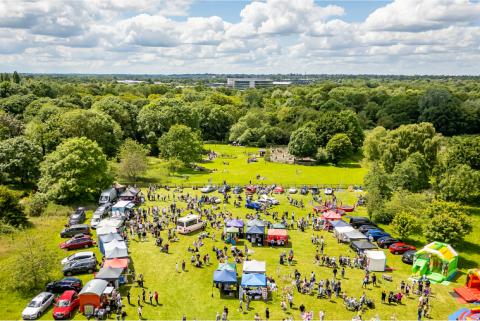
[156,297]
[144,295]
[374,279]
[321,315]
[384,296]
[240,305]
[267,313]
[139,310]
[183,266]
[128,297]
[139,303]
[150,297]
[176,267]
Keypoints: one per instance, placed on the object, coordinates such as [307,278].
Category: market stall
[254,267]
[112,275]
[256,235]
[231,235]
[226,282]
[277,237]
[376,261]
[254,285]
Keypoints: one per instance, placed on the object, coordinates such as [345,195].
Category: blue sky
[264,36]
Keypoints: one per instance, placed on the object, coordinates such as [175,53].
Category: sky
[410,37]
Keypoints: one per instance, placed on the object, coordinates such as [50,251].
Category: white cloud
[404,36]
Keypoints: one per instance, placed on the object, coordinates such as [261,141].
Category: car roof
[79,226]
[41,296]
[84,253]
[67,294]
[70,279]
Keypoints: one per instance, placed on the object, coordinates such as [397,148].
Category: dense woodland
[59,135]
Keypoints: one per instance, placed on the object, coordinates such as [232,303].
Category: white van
[189,223]
[108,196]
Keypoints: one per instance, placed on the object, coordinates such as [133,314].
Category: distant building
[245,83]
[130,82]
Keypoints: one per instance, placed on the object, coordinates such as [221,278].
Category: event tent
[280,236]
[115,243]
[376,261]
[225,276]
[254,280]
[107,238]
[354,236]
[254,267]
[231,230]
[362,245]
[339,223]
[234,223]
[116,252]
[109,273]
[339,231]
[278,226]
[256,234]
[91,294]
[331,216]
[256,222]
[106,230]
[227,266]
[113,222]
[116,263]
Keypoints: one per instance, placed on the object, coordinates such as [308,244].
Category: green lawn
[192,292]
[238,171]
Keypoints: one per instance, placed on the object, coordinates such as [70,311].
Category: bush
[37,204]
[322,156]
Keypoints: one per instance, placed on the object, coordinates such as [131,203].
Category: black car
[304,190]
[356,222]
[65,284]
[385,242]
[367,227]
[314,190]
[80,266]
[76,229]
[78,217]
[224,189]
[407,257]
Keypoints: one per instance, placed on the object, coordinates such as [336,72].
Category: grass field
[192,292]
[238,171]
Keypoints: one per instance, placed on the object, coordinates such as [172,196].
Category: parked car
[385,242]
[304,190]
[88,265]
[38,306]
[207,189]
[103,210]
[78,217]
[96,219]
[376,234]
[292,190]
[64,284]
[65,305]
[79,256]
[358,221]
[367,227]
[408,256]
[78,242]
[268,200]
[250,189]
[108,196]
[237,190]
[328,191]
[254,205]
[314,190]
[224,189]
[75,230]
[400,248]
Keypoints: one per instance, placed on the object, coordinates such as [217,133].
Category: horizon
[165,37]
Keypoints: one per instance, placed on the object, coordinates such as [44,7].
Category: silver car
[38,306]
[79,256]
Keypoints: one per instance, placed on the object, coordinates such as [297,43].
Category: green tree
[446,222]
[76,170]
[406,224]
[20,159]
[10,126]
[33,265]
[411,174]
[124,113]
[11,211]
[404,201]
[182,143]
[321,156]
[94,125]
[339,147]
[16,104]
[133,160]
[459,183]
[303,142]
[16,77]
[37,203]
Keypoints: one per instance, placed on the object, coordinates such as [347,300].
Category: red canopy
[320,208]
[331,216]
[277,232]
[116,263]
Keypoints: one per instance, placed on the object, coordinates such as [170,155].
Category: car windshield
[34,304]
[63,303]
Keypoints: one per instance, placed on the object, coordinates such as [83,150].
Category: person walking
[139,303]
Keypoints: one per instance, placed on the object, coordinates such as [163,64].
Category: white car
[95,220]
[79,256]
[38,306]
[292,190]
[328,191]
[267,199]
[207,189]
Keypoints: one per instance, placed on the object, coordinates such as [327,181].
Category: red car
[78,242]
[400,248]
[65,305]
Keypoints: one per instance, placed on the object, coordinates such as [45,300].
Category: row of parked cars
[64,293]
[383,239]
[251,189]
